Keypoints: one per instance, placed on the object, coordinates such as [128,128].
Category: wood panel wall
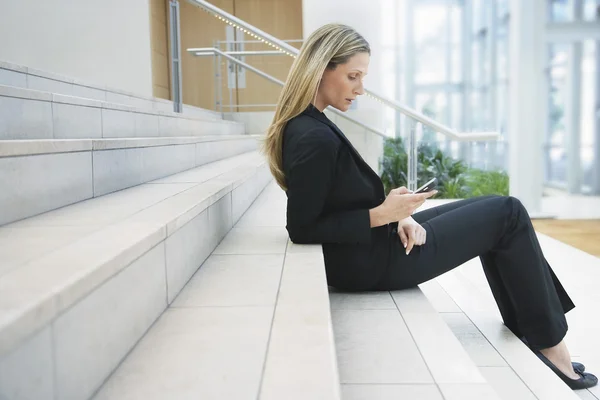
[280,18]
[161,82]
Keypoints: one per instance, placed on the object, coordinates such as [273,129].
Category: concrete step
[253,323]
[82,284]
[393,345]
[42,175]
[30,78]
[33,114]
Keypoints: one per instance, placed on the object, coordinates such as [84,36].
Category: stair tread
[253,322]
[96,239]
[398,339]
[14,147]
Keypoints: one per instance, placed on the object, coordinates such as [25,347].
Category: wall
[365,18]
[200,29]
[104,42]
[161,75]
[282,19]
[256,122]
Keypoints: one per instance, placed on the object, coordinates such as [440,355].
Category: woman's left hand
[411,234]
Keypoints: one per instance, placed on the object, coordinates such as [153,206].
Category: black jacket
[330,191]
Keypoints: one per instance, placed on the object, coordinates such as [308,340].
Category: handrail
[249,53]
[207,50]
[293,52]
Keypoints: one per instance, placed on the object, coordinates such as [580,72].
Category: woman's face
[342,85]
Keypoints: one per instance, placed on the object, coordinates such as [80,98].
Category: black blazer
[330,189]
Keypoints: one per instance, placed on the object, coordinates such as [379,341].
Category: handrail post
[176,85]
[411,175]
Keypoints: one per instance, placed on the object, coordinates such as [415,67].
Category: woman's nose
[360,90]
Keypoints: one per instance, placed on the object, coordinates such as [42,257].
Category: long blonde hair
[327,47]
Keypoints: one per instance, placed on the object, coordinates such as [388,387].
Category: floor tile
[233,280]
[263,240]
[374,346]
[391,392]
[439,299]
[361,301]
[443,353]
[468,391]
[479,349]
[506,383]
[196,353]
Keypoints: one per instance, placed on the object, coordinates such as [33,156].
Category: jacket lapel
[313,112]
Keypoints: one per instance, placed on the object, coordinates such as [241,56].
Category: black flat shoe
[577,367]
[586,380]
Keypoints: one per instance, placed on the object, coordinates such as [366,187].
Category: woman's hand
[401,203]
[411,234]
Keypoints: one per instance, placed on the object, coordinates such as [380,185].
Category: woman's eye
[352,78]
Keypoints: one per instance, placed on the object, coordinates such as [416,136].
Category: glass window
[556,143]
[431,65]
[591,10]
[561,10]
[435,106]
[589,75]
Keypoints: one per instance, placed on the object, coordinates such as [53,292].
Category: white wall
[256,122]
[106,42]
[363,16]
[366,18]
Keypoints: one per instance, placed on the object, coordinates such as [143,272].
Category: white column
[527,89]
[596,176]
[466,47]
[409,61]
[573,109]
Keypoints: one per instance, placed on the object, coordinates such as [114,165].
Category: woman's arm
[309,180]
[377,217]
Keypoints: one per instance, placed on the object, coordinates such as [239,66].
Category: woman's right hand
[402,203]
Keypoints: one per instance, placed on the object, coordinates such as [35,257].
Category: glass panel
[591,10]
[589,75]
[430,64]
[431,27]
[557,157]
[561,10]
[435,106]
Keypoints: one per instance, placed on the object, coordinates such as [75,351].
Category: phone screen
[427,187]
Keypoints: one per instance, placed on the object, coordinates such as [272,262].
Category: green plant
[455,179]
[484,183]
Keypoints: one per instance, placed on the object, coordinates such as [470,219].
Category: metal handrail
[293,52]
[206,50]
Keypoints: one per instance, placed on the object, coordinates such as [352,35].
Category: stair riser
[40,183]
[75,352]
[28,78]
[46,116]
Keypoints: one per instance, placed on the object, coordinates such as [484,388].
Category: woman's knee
[516,209]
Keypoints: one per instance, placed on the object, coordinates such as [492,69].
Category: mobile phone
[427,187]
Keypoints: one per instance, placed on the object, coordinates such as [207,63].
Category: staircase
[143,255]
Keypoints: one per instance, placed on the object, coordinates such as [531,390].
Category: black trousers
[498,229]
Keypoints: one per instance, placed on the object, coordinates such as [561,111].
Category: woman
[370,241]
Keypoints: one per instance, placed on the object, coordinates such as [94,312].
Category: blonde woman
[372,241]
